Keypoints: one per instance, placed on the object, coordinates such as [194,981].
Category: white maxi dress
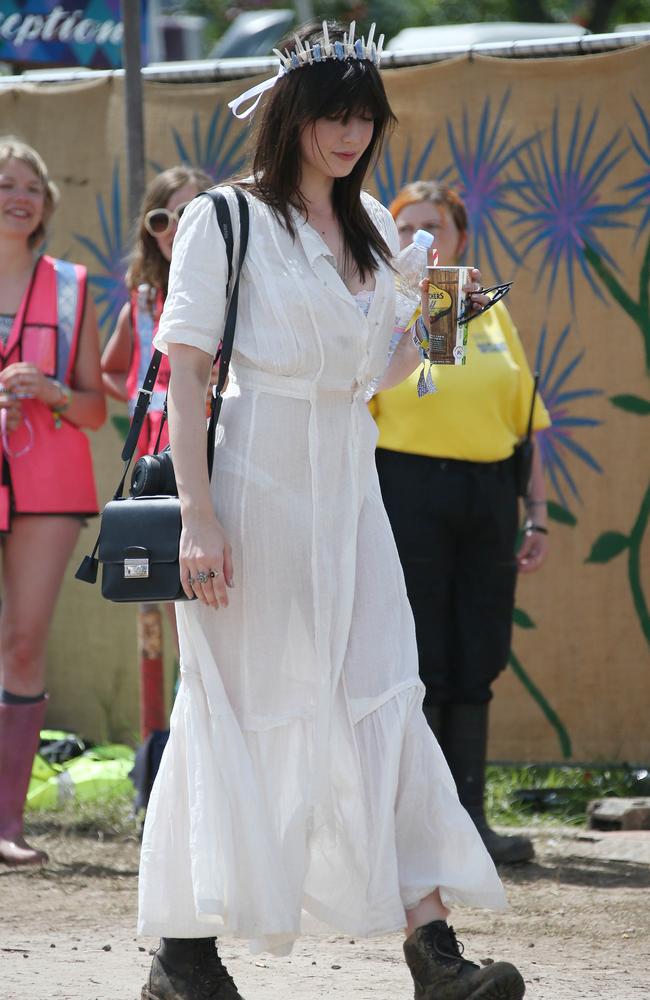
[300,772]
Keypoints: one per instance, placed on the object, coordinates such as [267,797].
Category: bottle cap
[423,239]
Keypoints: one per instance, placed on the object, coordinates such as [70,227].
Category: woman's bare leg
[35,556]
[428,909]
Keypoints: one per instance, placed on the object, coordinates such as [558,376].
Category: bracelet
[66,396]
[535,503]
[529,526]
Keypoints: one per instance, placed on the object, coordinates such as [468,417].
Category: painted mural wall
[553,159]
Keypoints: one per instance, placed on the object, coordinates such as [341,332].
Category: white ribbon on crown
[305,54]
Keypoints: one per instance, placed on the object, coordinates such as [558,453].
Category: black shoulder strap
[228,338]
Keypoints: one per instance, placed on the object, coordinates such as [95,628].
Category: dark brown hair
[436,194]
[146,263]
[333,88]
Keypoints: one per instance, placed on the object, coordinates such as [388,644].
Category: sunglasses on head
[159,221]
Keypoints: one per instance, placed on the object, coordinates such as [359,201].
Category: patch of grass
[114,817]
[110,817]
[570,788]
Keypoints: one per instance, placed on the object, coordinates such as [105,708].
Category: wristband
[66,396]
[538,528]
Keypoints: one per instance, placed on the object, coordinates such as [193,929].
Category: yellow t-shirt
[481,408]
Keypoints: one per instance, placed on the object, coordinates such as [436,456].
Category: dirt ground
[578,927]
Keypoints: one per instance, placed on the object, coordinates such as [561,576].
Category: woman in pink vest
[50,388]
[127,354]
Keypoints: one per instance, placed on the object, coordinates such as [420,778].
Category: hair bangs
[339,90]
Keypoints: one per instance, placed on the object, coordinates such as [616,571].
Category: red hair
[437,194]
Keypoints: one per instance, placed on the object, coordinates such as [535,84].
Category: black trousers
[455,525]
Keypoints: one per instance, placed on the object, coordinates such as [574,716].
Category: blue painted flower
[481,159]
[557,443]
[390,180]
[562,207]
[214,150]
[109,281]
[641,185]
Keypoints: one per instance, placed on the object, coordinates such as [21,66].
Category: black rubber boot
[464,744]
[440,972]
[189,969]
[433,715]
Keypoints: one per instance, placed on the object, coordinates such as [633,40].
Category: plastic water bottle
[411,267]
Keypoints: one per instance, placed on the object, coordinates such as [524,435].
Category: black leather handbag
[522,456]
[139,535]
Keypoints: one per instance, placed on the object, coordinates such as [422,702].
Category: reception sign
[68,33]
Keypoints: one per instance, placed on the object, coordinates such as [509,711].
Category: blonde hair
[146,263]
[12,148]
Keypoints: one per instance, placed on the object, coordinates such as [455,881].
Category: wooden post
[132,58]
[150,655]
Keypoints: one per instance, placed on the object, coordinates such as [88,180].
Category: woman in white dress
[300,771]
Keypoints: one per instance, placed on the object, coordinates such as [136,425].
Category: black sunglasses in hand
[500,290]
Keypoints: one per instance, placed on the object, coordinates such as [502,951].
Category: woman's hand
[476,298]
[12,408]
[472,289]
[27,381]
[532,551]
[205,559]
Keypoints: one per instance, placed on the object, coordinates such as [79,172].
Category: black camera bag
[139,536]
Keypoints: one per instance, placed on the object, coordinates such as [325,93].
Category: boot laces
[445,944]
[457,946]
[211,974]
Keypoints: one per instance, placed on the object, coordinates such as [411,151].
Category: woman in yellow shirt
[447,478]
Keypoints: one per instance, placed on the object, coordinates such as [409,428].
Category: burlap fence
[553,157]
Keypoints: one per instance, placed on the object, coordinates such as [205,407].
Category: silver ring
[202,577]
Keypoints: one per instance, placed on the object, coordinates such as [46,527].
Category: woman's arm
[535,544]
[204,546]
[87,403]
[116,359]
[405,359]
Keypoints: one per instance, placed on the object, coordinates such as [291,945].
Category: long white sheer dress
[300,771]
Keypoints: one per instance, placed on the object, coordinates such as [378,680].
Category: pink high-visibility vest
[47,466]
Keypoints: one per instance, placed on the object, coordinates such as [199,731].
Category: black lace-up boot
[440,972]
[189,969]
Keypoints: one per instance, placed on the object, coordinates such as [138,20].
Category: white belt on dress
[295,388]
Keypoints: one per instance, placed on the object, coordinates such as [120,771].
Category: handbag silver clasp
[136,569]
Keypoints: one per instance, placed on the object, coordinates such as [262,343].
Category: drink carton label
[440,302]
